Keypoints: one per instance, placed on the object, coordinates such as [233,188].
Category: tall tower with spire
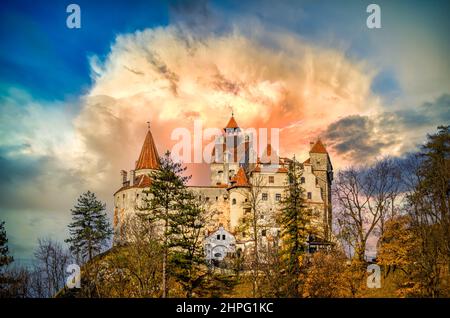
[323,170]
[231,152]
[131,192]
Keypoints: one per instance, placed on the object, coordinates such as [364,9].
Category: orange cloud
[172,78]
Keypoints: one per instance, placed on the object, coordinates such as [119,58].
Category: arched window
[302,180]
[234,201]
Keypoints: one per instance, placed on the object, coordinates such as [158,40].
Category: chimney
[123,173]
[132,176]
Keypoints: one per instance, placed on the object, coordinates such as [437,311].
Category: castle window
[309,195]
[217,198]
[137,195]
[264,196]
[207,199]
[317,181]
[220,171]
[218,236]
[223,237]
[277,196]
[244,234]
[271,179]
[246,200]
[247,210]
[263,233]
[234,201]
[302,180]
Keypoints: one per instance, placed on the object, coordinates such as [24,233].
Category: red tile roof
[318,147]
[240,180]
[142,181]
[232,123]
[148,159]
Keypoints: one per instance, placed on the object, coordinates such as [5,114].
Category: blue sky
[391,86]
[40,54]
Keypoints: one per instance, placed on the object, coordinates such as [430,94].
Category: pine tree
[90,229]
[428,206]
[294,220]
[5,259]
[168,186]
[185,230]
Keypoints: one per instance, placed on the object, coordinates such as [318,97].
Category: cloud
[364,138]
[269,78]
[171,76]
[356,138]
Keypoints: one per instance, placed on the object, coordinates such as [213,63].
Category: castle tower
[226,153]
[323,170]
[130,193]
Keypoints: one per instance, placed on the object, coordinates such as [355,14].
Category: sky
[74,102]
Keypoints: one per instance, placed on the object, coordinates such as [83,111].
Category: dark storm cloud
[355,136]
[33,175]
[16,169]
[366,137]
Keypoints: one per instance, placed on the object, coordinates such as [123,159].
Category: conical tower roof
[318,147]
[149,158]
[232,123]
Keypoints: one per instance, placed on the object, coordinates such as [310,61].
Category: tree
[328,275]
[428,206]
[274,280]
[90,230]
[133,269]
[168,186]
[251,223]
[51,261]
[5,258]
[296,227]
[365,196]
[16,283]
[386,178]
[186,229]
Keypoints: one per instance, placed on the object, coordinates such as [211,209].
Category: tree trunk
[164,265]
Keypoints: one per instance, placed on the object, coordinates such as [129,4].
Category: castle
[236,170]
